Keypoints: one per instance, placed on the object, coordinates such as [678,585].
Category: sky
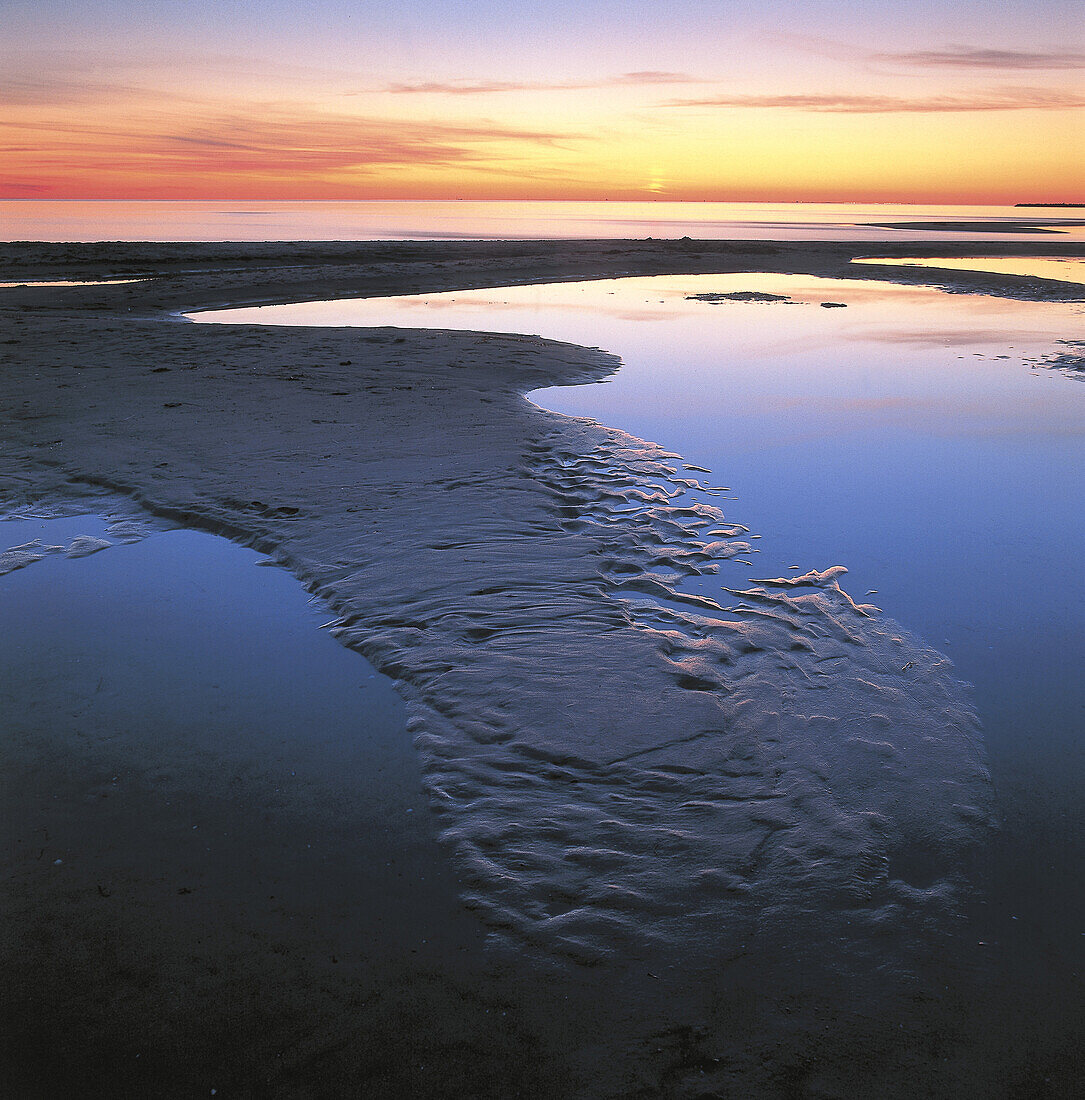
[978,101]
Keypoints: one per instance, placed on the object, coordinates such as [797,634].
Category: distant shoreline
[405,221]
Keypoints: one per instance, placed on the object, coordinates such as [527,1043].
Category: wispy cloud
[952,56]
[149,67]
[1008,99]
[313,141]
[21,189]
[485,87]
[654,76]
[280,140]
[965,57]
[53,91]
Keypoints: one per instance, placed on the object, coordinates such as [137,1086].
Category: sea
[78,221]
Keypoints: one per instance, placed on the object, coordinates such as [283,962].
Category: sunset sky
[892,100]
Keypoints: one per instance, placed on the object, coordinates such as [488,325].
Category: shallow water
[185,660]
[909,437]
[829,426]
[220,868]
[33,220]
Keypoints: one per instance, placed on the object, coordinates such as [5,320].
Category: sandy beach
[617,813]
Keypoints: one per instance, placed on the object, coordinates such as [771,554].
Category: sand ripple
[623,770]
[622,776]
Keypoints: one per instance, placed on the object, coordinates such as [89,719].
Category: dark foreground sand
[700,852]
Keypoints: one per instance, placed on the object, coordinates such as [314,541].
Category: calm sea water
[29,220]
[908,437]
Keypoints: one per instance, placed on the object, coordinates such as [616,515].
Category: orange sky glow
[424,105]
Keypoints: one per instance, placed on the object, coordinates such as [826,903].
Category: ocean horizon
[90,221]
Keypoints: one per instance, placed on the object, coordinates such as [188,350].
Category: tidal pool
[184,623]
[220,867]
[168,701]
[910,436]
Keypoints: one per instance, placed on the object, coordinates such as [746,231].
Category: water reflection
[170,654]
[808,411]
[907,437]
[215,843]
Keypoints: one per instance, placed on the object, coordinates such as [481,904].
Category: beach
[625,810]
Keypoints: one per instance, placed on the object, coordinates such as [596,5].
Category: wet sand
[1010,226]
[657,825]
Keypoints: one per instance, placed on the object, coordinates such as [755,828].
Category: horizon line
[644,200]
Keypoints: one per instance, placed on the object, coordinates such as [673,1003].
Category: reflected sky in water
[176,658]
[872,436]
[905,436]
[183,624]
